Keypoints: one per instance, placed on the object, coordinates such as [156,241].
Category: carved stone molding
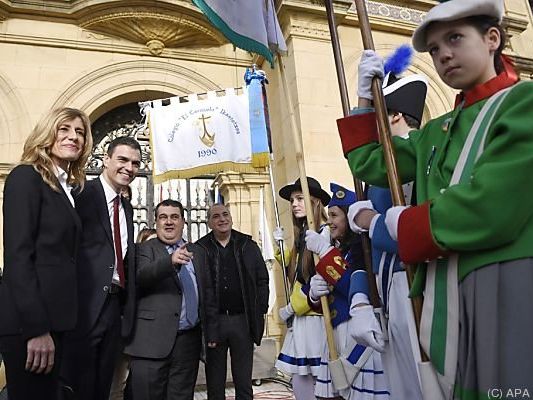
[524,66]
[389,11]
[513,27]
[315,6]
[94,88]
[155,46]
[310,30]
[156,30]
[92,41]
[403,14]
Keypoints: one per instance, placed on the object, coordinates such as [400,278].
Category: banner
[200,136]
[251,25]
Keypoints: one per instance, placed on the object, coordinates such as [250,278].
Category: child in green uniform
[472,232]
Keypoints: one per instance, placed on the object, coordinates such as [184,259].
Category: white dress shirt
[62,178]
[110,195]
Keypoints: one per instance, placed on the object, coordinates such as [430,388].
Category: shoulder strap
[475,141]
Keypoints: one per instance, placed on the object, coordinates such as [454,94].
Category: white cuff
[354,209]
[359,298]
[373,225]
[313,300]
[391,220]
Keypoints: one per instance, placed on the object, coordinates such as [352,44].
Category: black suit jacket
[159,301]
[96,258]
[41,237]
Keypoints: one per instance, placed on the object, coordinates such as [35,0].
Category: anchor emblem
[207,138]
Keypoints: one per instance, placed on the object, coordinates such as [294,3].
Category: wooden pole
[388,150]
[298,147]
[281,243]
[358,185]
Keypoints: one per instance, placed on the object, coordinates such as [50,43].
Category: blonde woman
[41,236]
[305,340]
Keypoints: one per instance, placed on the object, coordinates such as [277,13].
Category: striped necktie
[189,291]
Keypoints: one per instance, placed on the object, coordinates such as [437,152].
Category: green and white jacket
[484,221]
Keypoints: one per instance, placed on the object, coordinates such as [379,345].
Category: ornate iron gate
[195,194]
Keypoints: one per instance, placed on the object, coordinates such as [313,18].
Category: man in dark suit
[106,275]
[167,339]
[236,302]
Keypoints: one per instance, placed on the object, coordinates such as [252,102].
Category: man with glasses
[167,339]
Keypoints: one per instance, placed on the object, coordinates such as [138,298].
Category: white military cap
[452,10]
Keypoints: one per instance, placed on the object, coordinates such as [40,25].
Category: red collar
[485,90]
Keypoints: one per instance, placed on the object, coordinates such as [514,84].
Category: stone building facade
[101,55]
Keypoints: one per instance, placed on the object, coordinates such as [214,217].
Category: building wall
[99,54]
[38,73]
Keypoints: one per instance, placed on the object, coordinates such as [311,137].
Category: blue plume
[398,61]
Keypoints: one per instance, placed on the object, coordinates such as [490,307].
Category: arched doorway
[195,194]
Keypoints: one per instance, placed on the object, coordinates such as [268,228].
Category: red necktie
[118,241]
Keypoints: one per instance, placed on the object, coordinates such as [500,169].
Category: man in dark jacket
[105,275]
[167,338]
[238,303]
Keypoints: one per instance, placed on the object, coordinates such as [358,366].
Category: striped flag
[251,25]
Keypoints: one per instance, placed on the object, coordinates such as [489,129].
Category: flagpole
[249,77]
[298,147]
[345,101]
[281,243]
[388,150]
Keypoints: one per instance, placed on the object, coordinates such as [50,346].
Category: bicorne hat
[314,190]
[341,197]
[406,95]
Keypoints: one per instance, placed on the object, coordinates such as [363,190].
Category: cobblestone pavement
[269,389]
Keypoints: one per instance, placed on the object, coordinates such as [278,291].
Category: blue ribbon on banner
[258,127]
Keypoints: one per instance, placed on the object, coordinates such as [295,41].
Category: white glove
[286,312]
[365,328]
[278,234]
[326,233]
[319,287]
[391,220]
[354,209]
[317,243]
[371,65]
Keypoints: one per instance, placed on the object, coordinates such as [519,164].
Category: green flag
[251,25]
